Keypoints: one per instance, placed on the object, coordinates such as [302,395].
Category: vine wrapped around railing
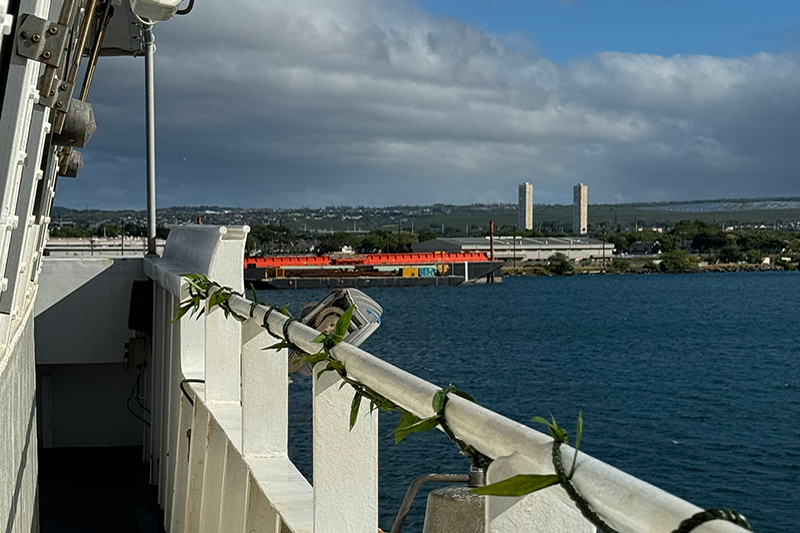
[203,290]
[205,294]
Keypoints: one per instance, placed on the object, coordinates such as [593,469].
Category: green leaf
[319,338]
[519,485]
[279,346]
[181,311]
[406,419]
[253,292]
[194,284]
[343,323]
[314,358]
[213,299]
[385,404]
[336,365]
[556,432]
[578,434]
[285,311]
[354,409]
[439,400]
[463,395]
[329,368]
[421,425]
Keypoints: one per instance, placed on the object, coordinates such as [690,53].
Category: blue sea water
[690,382]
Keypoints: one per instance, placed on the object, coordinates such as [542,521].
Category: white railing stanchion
[165,367]
[234,492]
[197,462]
[178,514]
[156,385]
[213,472]
[265,393]
[174,399]
[345,461]
[223,359]
[261,516]
[546,511]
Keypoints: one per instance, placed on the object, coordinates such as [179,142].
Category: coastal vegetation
[460,220]
[689,246]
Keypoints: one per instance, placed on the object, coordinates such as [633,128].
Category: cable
[128,404]
[183,390]
[134,392]
[143,21]
[186,10]
[139,394]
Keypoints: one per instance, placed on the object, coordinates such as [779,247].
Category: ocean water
[690,382]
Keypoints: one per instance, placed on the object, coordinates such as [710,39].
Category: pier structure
[437,269]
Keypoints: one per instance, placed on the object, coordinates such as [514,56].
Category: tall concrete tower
[525,206]
[580,209]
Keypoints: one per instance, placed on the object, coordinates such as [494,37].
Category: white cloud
[377,102]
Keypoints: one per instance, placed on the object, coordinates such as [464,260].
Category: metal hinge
[41,40]
[59,96]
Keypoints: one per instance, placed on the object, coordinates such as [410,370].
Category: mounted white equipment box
[155,9]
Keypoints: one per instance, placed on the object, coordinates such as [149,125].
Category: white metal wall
[26,184]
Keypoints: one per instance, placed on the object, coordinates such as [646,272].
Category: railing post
[545,511]
[345,461]
[265,393]
[223,361]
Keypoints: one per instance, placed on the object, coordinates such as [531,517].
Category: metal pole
[95,54]
[491,248]
[150,119]
[515,247]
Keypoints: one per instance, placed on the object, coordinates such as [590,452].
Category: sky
[313,103]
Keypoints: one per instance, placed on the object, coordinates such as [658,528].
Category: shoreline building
[525,206]
[580,209]
[521,248]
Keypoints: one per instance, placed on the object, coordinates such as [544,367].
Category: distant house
[644,248]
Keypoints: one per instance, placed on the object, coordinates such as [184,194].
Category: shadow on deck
[93,490]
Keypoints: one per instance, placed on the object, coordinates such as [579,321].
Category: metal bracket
[59,97]
[41,40]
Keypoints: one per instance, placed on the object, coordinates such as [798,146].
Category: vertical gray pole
[150,119]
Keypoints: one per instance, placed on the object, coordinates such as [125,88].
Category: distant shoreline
[539,270]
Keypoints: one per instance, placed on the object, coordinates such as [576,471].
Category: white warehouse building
[522,248]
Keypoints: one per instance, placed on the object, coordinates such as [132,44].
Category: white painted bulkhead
[27,183]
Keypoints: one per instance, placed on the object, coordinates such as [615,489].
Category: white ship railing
[222,464]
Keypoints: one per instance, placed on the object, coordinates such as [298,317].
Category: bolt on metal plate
[41,40]
[59,97]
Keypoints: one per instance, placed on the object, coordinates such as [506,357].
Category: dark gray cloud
[375,102]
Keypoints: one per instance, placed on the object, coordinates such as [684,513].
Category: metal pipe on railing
[628,503]
[411,493]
